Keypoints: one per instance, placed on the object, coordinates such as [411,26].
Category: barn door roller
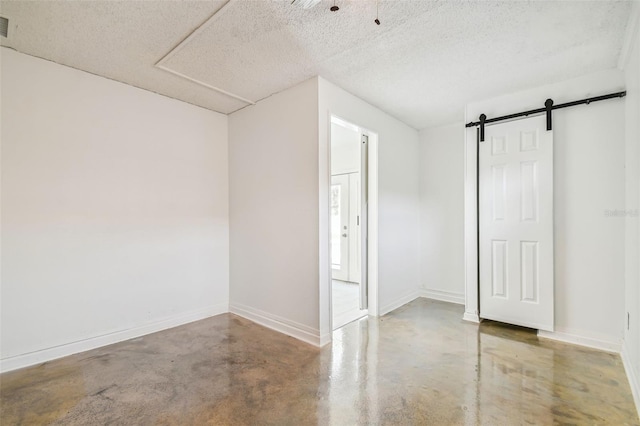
[548,108]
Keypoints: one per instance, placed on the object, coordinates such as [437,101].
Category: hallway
[420,364]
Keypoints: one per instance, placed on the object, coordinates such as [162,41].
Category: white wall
[442,212]
[273,170]
[345,150]
[631,350]
[114,211]
[589,180]
[398,198]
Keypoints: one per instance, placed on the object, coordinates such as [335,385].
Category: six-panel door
[516,224]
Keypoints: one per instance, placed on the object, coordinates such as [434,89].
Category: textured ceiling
[422,65]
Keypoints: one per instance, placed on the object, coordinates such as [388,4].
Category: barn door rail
[547,109]
[480,124]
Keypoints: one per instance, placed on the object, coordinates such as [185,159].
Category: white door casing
[516,224]
[363,236]
[354,226]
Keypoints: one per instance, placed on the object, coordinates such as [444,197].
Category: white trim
[372,224]
[471,317]
[583,338]
[340,122]
[325,339]
[470,225]
[325,285]
[629,35]
[290,328]
[634,380]
[443,295]
[187,40]
[401,301]
[49,354]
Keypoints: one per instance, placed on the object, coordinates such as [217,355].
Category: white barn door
[516,224]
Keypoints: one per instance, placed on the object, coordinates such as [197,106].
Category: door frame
[471,240]
[326,314]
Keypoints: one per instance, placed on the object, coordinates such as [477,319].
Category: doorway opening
[348,222]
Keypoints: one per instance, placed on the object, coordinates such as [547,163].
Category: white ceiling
[422,65]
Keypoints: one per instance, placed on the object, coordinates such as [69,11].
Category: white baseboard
[399,302]
[632,376]
[282,325]
[471,317]
[49,354]
[443,296]
[325,339]
[579,337]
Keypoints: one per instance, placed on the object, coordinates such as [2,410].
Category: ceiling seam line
[203,84]
[184,42]
[193,33]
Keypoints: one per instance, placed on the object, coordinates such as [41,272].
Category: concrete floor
[418,365]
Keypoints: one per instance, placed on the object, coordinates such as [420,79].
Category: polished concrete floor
[418,365]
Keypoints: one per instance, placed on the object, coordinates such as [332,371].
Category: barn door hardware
[548,108]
